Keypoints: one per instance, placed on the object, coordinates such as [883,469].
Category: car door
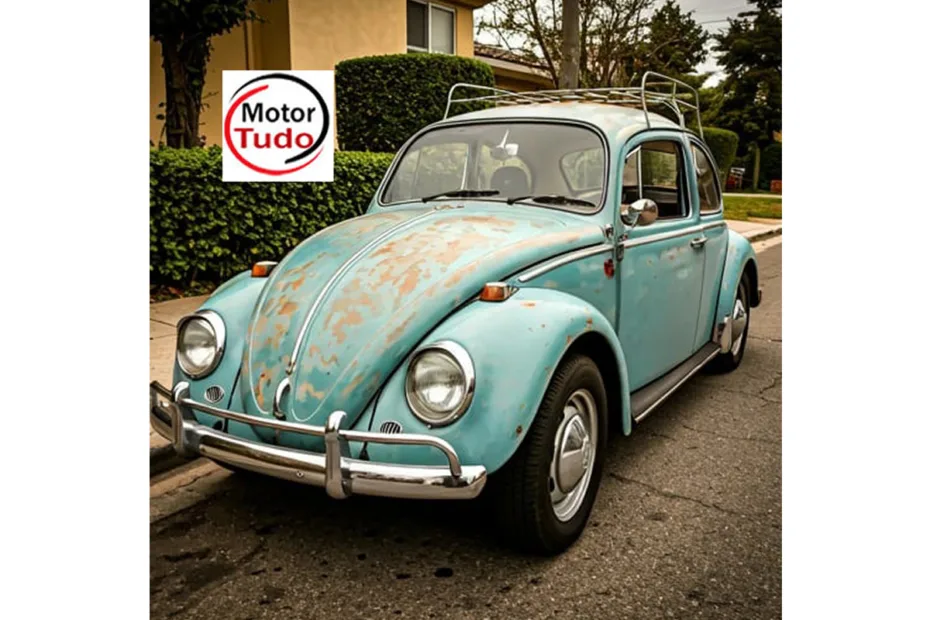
[706,194]
[661,273]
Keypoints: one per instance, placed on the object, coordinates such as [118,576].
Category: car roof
[612,119]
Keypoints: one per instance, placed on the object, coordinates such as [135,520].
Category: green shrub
[206,230]
[770,165]
[722,144]
[383,100]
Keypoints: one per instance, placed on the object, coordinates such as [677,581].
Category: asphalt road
[687,524]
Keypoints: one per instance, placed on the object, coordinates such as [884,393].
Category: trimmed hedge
[722,144]
[202,229]
[383,100]
[770,165]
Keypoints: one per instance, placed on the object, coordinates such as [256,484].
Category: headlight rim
[461,357]
[215,321]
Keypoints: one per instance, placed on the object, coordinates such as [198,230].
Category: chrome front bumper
[171,413]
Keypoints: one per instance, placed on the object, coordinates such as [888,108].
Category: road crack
[725,436]
[678,496]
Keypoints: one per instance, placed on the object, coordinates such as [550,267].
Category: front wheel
[543,496]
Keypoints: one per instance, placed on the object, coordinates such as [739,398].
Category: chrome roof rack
[654,89]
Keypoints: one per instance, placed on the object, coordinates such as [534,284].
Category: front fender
[516,346]
[740,257]
[233,301]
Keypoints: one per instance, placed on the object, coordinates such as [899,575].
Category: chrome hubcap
[573,455]
[739,325]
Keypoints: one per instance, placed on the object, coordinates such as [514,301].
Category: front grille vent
[390,427]
[214,393]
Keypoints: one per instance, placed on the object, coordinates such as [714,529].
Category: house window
[430,28]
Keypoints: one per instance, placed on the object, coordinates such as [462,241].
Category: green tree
[750,54]
[675,45]
[184,29]
[619,39]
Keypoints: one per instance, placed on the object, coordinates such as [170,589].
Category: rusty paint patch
[307,389]
[350,318]
[353,384]
[528,304]
[519,430]
[568,339]
[395,333]
[287,308]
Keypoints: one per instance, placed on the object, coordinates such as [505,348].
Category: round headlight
[200,343]
[440,383]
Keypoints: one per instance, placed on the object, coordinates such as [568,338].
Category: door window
[655,171]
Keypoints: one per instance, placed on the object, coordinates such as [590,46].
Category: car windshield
[559,164]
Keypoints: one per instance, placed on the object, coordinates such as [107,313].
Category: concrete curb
[164,458]
[775,231]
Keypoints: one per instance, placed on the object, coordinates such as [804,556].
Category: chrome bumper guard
[172,416]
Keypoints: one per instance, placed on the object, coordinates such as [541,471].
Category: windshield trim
[392,169]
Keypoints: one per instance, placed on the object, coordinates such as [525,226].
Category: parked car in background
[527,278]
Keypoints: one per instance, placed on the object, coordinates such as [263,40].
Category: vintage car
[527,277]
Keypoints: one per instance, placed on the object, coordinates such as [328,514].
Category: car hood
[346,306]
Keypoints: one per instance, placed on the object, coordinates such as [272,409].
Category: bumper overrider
[172,415]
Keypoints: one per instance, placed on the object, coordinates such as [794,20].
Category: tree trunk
[571,46]
[756,166]
[185,66]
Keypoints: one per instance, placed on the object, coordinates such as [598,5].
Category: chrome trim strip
[564,260]
[292,363]
[632,243]
[671,391]
[333,470]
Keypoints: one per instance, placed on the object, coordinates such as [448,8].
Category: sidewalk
[164,316]
[756,228]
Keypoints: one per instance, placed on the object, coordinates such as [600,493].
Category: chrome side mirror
[643,212]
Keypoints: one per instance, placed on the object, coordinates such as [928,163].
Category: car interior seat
[510,181]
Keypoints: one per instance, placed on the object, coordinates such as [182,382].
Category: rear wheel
[729,361]
[544,494]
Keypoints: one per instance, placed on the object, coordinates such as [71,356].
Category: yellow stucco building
[317,34]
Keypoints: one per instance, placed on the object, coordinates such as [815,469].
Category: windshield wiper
[462,193]
[553,199]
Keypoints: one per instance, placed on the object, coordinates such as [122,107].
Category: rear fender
[740,258]
[516,345]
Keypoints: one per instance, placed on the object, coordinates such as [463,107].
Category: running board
[644,400]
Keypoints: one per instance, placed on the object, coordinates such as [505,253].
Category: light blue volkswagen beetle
[526,277]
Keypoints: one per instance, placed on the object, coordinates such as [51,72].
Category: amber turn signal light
[263,269]
[496,291]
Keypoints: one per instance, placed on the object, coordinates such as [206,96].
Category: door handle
[698,242]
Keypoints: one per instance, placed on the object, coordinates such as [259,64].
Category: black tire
[520,490]
[730,361]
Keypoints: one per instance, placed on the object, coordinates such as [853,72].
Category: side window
[431,169]
[655,171]
[583,170]
[440,168]
[707,181]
